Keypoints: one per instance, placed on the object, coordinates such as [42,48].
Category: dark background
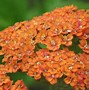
[12,11]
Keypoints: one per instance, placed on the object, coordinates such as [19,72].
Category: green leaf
[75,47]
[21,76]
[42,45]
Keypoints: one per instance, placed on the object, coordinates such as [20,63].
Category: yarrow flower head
[21,46]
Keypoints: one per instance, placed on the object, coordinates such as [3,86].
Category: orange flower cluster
[7,84]
[53,29]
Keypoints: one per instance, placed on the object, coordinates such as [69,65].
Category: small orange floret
[84,45]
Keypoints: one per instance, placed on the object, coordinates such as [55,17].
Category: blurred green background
[12,11]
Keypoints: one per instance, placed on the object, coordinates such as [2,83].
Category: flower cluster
[7,84]
[18,46]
